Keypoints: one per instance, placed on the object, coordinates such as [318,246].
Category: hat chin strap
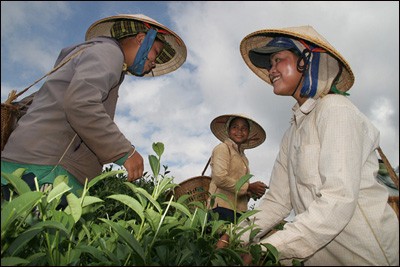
[137,67]
[298,84]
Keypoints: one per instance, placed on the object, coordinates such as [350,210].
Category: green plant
[115,222]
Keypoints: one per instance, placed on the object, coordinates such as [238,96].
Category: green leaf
[229,253]
[89,200]
[96,253]
[36,257]
[131,203]
[60,179]
[273,251]
[180,207]
[224,197]
[244,179]
[22,240]
[154,164]
[143,192]
[57,191]
[246,215]
[103,176]
[74,206]
[27,235]
[164,185]
[128,238]
[13,261]
[216,225]
[16,181]
[19,206]
[65,219]
[158,148]
[153,218]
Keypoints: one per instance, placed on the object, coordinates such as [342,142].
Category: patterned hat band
[126,28]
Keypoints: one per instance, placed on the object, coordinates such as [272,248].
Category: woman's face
[239,130]
[284,74]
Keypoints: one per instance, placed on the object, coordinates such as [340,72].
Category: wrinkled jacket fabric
[228,165]
[325,171]
[78,99]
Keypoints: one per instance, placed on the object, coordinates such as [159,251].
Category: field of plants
[119,223]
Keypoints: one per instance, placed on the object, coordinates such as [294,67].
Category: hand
[247,259]
[223,241]
[134,166]
[257,189]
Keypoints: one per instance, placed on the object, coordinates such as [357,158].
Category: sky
[177,108]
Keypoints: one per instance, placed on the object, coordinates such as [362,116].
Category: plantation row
[115,222]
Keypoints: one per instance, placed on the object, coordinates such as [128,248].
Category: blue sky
[177,108]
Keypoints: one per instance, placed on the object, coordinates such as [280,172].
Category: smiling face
[239,130]
[284,74]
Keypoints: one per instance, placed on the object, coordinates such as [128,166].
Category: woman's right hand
[134,166]
[257,189]
[223,242]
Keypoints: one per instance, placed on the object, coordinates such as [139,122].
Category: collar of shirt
[234,145]
[299,112]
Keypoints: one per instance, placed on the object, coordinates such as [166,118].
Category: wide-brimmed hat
[257,41]
[172,56]
[219,127]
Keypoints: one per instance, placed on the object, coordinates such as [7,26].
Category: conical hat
[262,37]
[103,28]
[219,127]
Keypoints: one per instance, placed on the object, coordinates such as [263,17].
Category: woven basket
[9,117]
[195,187]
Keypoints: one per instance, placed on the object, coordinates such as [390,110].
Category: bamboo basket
[196,187]
[9,117]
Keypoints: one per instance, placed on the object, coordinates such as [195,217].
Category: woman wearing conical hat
[69,128]
[229,163]
[326,167]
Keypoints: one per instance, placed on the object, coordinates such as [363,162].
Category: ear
[140,36]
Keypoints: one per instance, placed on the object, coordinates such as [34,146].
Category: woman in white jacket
[326,167]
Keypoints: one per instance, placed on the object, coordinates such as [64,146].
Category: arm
[334,185]
[275,204]
[96,71]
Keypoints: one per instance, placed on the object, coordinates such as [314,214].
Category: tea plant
[115,222]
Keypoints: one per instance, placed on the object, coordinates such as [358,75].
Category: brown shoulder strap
[14,95]
[205,168]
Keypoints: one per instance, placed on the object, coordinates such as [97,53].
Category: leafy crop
[115,222]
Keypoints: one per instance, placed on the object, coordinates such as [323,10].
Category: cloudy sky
[177,108]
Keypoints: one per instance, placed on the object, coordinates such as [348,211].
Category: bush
[115,222]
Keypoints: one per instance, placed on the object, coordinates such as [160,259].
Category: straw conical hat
[103,28]
[219,127]
[262,37]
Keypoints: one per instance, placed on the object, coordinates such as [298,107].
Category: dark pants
[29,178]
[226,214]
